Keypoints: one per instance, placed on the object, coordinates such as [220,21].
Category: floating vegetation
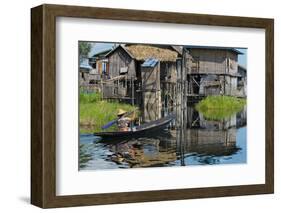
[219,107]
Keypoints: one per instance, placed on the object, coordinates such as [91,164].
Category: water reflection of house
[212,142]
[155,151]
[196,120]
[241,118]
[213,71]
[211,137]
[206,142]
[203,138]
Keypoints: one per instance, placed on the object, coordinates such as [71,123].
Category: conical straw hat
[121,112]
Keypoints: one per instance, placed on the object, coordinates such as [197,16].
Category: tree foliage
[84,48]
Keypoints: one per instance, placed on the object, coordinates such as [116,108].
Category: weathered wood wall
[217,71]
[120,59]
[168,71]
[151,93]
[212,61]
[232,64]
[99,66]
[89,82]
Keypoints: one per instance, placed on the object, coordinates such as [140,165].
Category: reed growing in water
[219,107]
[95,112]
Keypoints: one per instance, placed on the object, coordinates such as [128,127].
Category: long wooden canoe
[139,131]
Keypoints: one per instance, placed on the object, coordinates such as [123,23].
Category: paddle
[110,123]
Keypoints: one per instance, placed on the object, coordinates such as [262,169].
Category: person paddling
[123,121]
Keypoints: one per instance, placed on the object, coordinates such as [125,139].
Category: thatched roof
[142,52]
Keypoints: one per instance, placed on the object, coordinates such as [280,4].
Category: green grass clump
[219,107]
[89,97]
[94,113]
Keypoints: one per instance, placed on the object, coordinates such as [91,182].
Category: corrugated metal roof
[84,64]
[150,62]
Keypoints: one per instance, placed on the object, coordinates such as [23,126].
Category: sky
[98,47]
[242,59]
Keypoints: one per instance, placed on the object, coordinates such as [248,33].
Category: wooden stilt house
[126,64]
[212,70]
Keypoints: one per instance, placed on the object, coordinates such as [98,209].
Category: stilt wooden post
[133,89]
[101,88]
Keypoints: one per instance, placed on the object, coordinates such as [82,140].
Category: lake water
[200,142]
